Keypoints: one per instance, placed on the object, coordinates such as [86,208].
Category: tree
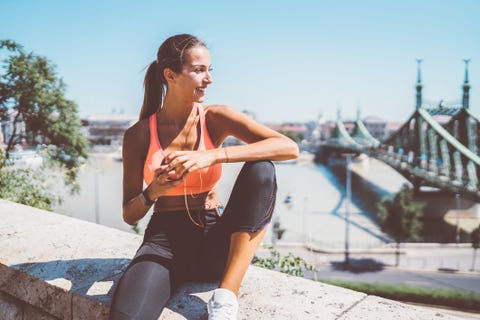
[475,237]
[401,217]
[33,95]
[295,136]
[289,264]
[26,186]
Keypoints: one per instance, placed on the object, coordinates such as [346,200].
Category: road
[378,267]
[441,280]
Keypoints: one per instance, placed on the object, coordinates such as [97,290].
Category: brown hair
[170,55]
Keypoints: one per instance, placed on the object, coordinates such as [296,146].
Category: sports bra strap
[153,130]
[201,113]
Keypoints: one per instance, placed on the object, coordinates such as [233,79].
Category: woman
[175,148]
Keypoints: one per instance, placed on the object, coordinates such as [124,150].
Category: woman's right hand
[163,181]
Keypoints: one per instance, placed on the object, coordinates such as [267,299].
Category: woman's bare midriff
[206,200]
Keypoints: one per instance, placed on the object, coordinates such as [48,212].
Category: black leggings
[175,251]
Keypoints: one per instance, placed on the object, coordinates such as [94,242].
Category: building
[392,127]
[107,129]
[295,129]
[324,130]
[376,126]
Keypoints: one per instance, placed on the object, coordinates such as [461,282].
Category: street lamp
[304,220]
[97,200]
[347,207]
[93,162]
[457,226]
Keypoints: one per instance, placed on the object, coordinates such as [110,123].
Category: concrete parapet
[56,267]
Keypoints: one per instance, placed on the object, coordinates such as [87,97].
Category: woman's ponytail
[153,86]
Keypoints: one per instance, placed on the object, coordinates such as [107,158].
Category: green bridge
[427,152]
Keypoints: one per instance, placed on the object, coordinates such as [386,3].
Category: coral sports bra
[199,181]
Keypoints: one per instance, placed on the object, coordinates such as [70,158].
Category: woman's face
[195,76]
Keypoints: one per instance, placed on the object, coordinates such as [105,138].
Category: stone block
[267,294]
[85,277]
[10,308]
[56,267]
[376,308]
[86,309]
[278,296]
[36,292]
[32,313]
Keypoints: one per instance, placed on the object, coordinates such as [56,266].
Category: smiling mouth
[200,92]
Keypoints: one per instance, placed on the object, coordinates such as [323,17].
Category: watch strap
[145,199]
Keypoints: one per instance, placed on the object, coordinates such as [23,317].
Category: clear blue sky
[283,60]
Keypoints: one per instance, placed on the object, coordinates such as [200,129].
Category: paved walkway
[434,257]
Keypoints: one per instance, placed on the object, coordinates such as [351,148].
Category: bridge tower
[419,86]
[419,131]
[464,124]
[466,87]
[470,123]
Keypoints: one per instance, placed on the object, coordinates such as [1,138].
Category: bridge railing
[460,162]
[430,152]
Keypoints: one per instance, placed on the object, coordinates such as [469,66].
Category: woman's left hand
[185,162]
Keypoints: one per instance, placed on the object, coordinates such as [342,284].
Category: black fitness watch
[146,201]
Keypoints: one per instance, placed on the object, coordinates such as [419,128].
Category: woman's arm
[134,150]
[262,143]
[133,158]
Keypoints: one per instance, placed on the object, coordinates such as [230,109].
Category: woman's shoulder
[215,108]
[137,131]
[215,111]
[221,112]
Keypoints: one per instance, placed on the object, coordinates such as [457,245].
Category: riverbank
[443,212]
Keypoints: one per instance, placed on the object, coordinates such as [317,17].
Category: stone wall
[56,267]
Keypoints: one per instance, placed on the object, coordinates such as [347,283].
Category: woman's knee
[261,172]
[142,291]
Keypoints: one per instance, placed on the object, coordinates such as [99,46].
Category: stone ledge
[58,267]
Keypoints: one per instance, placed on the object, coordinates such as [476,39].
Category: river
[310,201]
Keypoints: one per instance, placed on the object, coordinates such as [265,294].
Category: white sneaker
[223,305]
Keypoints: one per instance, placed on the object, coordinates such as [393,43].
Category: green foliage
[135,228]
[31,92]
[295,136]
[289,264]
[26,186]
[270,263]
[433,296]
[401,216]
